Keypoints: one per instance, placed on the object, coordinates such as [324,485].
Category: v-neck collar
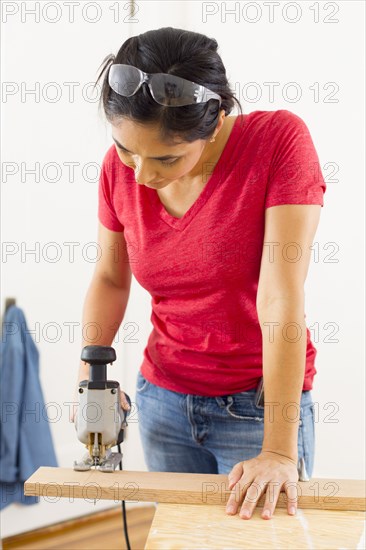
[221,168]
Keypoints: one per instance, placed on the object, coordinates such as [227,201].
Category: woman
[215,216]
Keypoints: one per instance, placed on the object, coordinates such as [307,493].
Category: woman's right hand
[74,407]
[123,401]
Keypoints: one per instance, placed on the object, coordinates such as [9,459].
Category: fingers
[272,495]
[73,412]
[124,403]
[252,491]
[236,477]
[247,486]
[236,496]
[253,494]
[235,474]
[291,489]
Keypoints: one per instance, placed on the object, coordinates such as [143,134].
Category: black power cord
[124,508]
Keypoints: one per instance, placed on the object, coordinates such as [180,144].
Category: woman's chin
[157,185]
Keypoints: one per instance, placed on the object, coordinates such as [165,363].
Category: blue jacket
[26,441]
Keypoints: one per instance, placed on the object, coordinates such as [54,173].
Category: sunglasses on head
[166,89]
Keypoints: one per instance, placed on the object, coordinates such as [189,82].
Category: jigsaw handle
[98,358]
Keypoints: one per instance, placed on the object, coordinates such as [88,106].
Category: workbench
[191,509]
[195,526]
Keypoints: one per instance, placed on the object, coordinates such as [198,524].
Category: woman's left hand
[268,472]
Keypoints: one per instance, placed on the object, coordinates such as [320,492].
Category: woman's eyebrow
[165,157]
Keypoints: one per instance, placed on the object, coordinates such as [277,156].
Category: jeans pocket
[142,384]
[240,406]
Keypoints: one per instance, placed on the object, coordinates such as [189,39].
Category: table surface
[208,526]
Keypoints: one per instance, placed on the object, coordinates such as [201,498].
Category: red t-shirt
[202,270]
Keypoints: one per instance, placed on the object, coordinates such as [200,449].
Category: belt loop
[220,401]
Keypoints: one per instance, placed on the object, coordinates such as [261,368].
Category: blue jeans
[196,434]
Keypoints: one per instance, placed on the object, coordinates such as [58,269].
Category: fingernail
[292,510]
[266,514]
[245,514]
[230,508]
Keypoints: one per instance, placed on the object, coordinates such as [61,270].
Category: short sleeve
[295,175]
[106,211]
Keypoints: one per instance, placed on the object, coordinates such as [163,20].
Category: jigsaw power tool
[100,420]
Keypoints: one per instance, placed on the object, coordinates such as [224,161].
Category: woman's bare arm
[107,296]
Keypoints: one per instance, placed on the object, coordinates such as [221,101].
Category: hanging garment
[26,441]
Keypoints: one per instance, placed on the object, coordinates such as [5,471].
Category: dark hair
[179,52]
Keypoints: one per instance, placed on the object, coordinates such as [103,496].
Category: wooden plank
[185,488]
[202,526]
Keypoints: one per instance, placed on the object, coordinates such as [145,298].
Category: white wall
[36,213]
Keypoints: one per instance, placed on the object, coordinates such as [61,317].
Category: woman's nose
[143,174]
